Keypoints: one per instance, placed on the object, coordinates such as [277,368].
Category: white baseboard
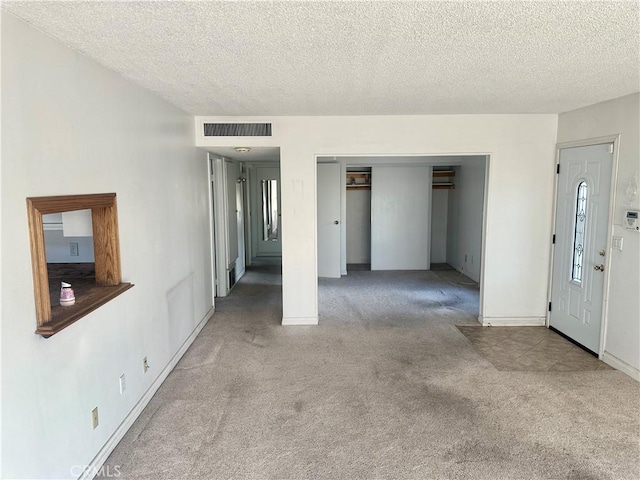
[473,277]
[95,465]
[512,321]
[621,365]
[299,320]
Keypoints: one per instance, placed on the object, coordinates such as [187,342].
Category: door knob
[336,222]
[602,253]
[599,267]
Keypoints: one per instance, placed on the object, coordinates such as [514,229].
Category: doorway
[358,218]
[430,220]
[265,216]
[580,261]
[244,205]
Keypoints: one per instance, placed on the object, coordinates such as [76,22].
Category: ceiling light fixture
[242,149]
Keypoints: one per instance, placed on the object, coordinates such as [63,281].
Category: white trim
[483,238]
[240,274]
[512,321]
[621,365]
[470,275]
[299,320]
[97,462]
[221,225]
[212,227]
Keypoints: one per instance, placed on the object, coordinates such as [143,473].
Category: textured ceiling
[358,58]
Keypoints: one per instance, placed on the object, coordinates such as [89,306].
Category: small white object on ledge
[67,297]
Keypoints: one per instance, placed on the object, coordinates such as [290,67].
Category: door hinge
[549,306]
[558,168]
[553,240]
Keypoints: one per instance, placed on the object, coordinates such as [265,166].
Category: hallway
[404,396]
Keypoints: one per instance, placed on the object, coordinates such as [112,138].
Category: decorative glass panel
[579,232]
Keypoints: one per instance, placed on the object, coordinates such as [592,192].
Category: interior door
[582,218]
[267,231]
[329,187]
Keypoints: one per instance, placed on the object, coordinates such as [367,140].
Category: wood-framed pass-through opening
[108,277]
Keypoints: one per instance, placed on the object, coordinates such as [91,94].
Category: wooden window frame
[103,206]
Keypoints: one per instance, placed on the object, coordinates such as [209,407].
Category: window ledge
[62,317]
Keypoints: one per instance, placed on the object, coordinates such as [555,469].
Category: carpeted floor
[386,387]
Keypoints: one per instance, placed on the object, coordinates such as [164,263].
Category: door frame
[373,159]
[615,139]
[213,242]
[255,212]
[220,224]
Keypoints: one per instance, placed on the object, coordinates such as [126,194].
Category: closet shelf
[358,180]
[443,174]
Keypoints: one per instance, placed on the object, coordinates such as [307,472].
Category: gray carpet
[373,393]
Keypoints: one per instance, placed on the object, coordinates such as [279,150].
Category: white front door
[329,186]
[582,218]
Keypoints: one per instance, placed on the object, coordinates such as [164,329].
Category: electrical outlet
[123,384]
[73,249]
[145,365]
[94,417]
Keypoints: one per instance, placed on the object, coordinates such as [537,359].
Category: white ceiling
[358,58]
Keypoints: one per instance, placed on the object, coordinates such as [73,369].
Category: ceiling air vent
[237,129]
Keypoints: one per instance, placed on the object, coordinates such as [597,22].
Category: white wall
[61,109]
[466,203]
[400,217]
[58,249]
[358,226]
[617,117]
[521,176]
[439,219]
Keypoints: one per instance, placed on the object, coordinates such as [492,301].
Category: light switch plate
[617,243]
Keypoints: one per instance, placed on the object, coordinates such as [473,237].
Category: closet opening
[410,227]
[358,218]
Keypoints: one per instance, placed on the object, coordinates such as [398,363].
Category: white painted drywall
[77,224]
[617,117]
[358,226]
[452,224]
[522,149]
[400,217]
[58,249]
[466,200]
[70,126]
[439,218]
